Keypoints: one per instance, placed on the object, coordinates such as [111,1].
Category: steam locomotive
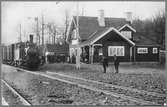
[23,54]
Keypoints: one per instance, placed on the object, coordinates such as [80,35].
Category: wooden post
[134,54]
[90,54]
[130,54]
[78,58]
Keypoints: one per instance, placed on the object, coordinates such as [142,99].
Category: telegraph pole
[20,34]
[37,31]
[78,48]
[42,30]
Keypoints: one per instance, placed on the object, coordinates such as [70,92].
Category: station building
[109,36]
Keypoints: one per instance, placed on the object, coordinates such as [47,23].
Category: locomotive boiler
[32,56]
[22,54]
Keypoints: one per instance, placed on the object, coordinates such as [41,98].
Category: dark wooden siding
[118,43]
[113,39]
[12,52]
[147,56]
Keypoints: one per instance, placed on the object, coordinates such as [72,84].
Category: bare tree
[153,28]
[67,17]
[159,27]
[51,26]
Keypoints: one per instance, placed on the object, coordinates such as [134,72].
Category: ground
[41,90]
[44,91]
[143,76]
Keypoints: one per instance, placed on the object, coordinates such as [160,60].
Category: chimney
[101,19]
[129,17]
[31,38]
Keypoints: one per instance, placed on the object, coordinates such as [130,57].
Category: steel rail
[122,96]
[111,85]
[137,100]
[22,99]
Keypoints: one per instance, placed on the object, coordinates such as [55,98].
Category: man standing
[116,63]
[105,63]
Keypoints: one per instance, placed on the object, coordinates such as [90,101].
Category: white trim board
[109,30]
[68,29]
[72,21]
[128,27]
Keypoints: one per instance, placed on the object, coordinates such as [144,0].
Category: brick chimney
[101,19]
[31,38]
[129,17]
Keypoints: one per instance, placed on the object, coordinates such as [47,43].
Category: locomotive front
[32,59]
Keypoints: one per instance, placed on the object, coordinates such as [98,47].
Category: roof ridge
[104,17]
[92,34]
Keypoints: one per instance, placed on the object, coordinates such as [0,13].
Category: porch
[88,53]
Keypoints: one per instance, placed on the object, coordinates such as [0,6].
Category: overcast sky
[15,13]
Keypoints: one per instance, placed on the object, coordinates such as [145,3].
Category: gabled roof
[141,40]
[101,33]
[90,31]
[127,25]
[88,25]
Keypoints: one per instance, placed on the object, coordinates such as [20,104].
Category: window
[116,50]
[100,51]
[155,50]
[127,34]
[72,51]
[74,34]
[142,50]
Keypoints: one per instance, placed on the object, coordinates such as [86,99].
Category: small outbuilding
[56,52]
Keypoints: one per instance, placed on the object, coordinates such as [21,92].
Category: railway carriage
[7,53]
[4,54]
[22,54]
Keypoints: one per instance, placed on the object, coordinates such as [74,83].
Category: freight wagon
[22,54]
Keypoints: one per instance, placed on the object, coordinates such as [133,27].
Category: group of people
[105,63]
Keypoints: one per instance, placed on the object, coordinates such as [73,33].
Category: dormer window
[127,30]
[127,34]
[74,34]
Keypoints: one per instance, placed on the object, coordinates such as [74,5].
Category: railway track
[15,92]
[111,85]
[137,96]
[106,89]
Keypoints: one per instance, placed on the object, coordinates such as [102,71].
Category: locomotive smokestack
[31,38]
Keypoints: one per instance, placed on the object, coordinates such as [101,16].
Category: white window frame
[100,51]
[142,50]
[116,52]
[155,50]
[74,34]
[72,51]
[127,34]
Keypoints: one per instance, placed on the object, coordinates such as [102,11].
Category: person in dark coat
[105,63]
[116,63]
